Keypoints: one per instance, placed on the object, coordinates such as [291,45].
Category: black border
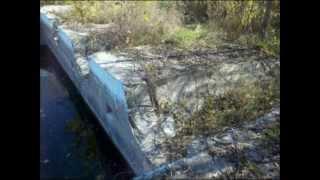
[299,78]
[20,89]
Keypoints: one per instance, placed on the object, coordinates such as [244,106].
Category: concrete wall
[102,92]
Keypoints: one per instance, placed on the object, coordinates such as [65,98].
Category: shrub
[243,21]
[194,11]
[155,22]
[270,46]
[141,22]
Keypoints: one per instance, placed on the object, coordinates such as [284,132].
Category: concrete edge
[121,131]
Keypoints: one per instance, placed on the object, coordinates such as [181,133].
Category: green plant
[187,25]
[252,23]
[186,37]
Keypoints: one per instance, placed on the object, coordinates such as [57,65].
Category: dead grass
[140,22]
[230,109]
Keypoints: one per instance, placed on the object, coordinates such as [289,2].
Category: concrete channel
[100,90]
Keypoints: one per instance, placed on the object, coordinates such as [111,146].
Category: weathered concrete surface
[103,93]
[175,80]
[213,157]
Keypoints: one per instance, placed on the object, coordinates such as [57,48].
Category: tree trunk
[266,19]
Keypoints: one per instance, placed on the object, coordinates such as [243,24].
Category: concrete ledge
[102,92]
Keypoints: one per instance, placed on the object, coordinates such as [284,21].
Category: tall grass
[158,22]
[139,22]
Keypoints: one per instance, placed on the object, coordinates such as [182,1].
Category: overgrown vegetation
[229,109]
[186,24]
[232,107]
[138,23]
[253,23]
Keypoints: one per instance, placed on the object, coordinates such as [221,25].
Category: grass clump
[270,46]
[188,37]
